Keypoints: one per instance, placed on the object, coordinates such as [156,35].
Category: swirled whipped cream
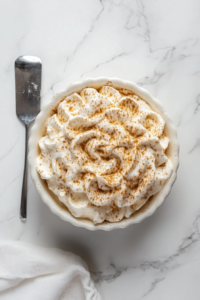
[103,153]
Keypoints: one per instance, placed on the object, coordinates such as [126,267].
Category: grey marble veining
[164,266]
[155,44]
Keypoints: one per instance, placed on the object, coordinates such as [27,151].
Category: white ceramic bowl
[38,131]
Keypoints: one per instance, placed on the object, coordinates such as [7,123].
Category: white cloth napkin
[31,273]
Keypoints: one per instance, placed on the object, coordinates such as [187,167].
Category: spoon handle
[23,206]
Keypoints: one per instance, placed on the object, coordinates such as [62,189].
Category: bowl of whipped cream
[103,154]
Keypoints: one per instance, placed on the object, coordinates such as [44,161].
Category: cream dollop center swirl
[103,153]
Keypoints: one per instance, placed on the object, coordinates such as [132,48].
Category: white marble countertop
[155,44]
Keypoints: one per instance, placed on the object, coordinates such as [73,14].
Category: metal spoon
[28,70]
